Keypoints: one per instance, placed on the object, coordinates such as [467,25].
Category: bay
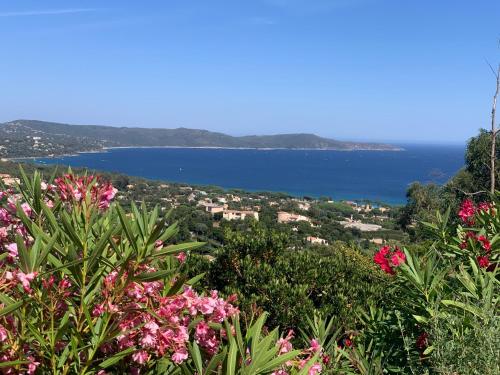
[373,175]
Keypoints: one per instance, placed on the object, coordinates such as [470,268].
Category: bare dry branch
[494,131]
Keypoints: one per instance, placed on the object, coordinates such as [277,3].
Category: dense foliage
[259,266]
[445,319]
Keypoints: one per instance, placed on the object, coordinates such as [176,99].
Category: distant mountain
[24,138]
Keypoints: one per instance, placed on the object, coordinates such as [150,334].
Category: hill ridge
[26,138]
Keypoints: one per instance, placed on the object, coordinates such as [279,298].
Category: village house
[239,215]
[286,217]
[316,240]
[213,208]
[304,206]
[234,198]
[377,241]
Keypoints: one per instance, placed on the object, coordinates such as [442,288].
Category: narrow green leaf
[175,249]
[114,359]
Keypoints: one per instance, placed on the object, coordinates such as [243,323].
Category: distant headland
[33,138]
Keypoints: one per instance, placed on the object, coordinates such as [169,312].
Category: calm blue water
[373,175]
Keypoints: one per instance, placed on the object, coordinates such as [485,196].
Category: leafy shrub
[445,314]
[291,284]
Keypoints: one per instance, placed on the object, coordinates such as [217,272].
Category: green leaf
[47,248]
[153,276]
[13,363]
[194,349]
[472,309]
[116,358]
[10,308]
[195,279]
[278,361]
[175,249]
[24,258]
[428,350]
[126,227]
[100,246]
[231,358]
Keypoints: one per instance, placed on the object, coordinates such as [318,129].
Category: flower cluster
[388,259]
[471,239]
[305,357]
[71,188]
[157,325]
[53,291]
[468,210]
[10,224]
[478,243]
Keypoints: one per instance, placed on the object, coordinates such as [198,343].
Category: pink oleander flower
[180,355]
[315,346]
[485,243]
[3,333]
[284,343]
[140,357]
[71,188]
[26,209]
[467,211]
[398,257]
[26,280]
[98,310]
[12,250]
[32,365]
[484,206]
[181,257]
[3,234]
[483,261]
[388,259]
[315,369]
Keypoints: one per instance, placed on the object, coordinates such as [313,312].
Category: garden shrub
[258,266]
[86,288]
[444,317]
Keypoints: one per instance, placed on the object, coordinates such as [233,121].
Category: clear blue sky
[348,69]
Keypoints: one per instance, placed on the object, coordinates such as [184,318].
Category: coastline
[396,149]
[105,149]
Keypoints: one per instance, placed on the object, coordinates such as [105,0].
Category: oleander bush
[444,318]
[86,288]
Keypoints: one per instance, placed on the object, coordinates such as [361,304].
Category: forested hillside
[23,138]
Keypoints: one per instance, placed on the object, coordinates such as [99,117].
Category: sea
[378,176]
